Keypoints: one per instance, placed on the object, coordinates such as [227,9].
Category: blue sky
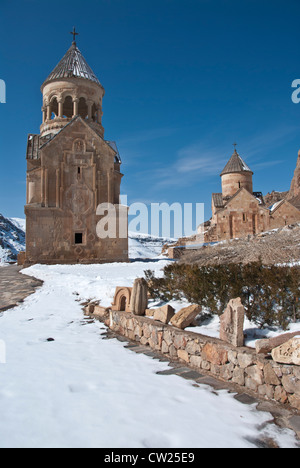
[184,80]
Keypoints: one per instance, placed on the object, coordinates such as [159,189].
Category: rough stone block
[164,314]
[280,394]
[164,347]
[291,384]
[185,316]
[183,355]
[226,371]
[266,391]
[192,347]
[295,401]
[238,376]
[214,354]
[288,353]
[196,361]
[149,312]
[180,341]
[265,346]
[270,376]
[245,360]
[100,311]
[168,337]
[255,373]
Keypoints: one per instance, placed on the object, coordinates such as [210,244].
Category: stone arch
[83,108]
[95,111]
[50,97]
[122,299]
[68,107]
[54,107]
[123,303]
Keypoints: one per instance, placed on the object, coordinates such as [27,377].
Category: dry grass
[275,247]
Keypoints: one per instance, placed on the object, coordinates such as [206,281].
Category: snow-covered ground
[64,385]
[81,390]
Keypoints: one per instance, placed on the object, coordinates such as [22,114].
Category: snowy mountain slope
[146,246]
[19,222]
[12,239]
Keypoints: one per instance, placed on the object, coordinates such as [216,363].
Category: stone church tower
[71,170]
[236,175]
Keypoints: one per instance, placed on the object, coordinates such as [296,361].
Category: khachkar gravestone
[288,353]
[139,297]
[232,323]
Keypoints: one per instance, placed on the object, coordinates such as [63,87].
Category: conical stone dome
[72,89]
[72,65]
[235,176]
[236,164]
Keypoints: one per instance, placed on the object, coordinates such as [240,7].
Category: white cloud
[202,160]
[199,159]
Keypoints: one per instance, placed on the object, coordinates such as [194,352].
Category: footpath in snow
[64,385]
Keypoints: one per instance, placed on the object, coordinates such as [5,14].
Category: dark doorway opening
[123,303]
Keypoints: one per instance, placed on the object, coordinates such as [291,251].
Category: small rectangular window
[78,237]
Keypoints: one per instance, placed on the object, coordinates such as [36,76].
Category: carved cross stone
[232,323]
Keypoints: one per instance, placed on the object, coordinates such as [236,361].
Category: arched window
[68,108]
[83,108]
[94,113]
[123,303]
[54,108]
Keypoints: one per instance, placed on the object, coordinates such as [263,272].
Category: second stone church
[238,211]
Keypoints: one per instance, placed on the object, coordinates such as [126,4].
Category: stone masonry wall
[242,366]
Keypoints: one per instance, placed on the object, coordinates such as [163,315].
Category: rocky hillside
[274,197]
[281,246]
[12,239]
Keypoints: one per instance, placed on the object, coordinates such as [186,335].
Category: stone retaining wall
[242,366]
